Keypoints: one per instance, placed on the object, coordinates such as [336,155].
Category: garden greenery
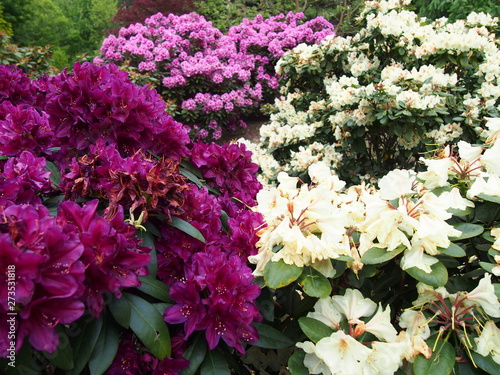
[379,100]
[129,248]
[211,80]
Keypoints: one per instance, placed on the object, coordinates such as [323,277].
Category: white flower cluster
[343,352]
[361,89]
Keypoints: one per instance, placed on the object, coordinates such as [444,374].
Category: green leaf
[195,354]
[63,356]
[377,255]
[271,338]
[441,362]
[314,283]
[147,323]
[148,240]
[186,228]
[296,363]
[121,311]
[84,343]
[468,230]
[489,198]
[314,329]
[105,348]
[155,288]
[214,364]
[191,177]
[453,250]
[55,175]
[485,363]
[436,278]
[161,307]
[279,274]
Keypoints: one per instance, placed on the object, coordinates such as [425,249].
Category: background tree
[130,11]
[226,13]
[455,9]
[71,27]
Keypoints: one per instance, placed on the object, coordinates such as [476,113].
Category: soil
[251,132]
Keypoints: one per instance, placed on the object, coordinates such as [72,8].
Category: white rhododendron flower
[484,296]
[488,342]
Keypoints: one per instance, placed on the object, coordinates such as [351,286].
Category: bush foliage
[379,100]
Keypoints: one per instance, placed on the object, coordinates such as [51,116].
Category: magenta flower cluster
[211,284]
[212,79]
[85,153]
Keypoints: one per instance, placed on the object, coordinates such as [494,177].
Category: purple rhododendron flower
[29,171]
[229,168]
[48,274]
[15,86]
[22,128]
[112,254]
[217,296]
[99,102]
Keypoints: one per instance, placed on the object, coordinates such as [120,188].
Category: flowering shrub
[124,245]
[400,87]
[210,80]
[396,277]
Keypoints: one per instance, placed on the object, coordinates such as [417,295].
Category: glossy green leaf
[377,255]
[195,354]
[453,250]
[489,198]
[296,363]
[214,364]
[314,283]
[55,173]
[271,338]
[441,362]
[147,323]
[279,274]
[161,307]
[148,240]
[187,228]
[84,343]
[486,363]
[468,230]
[155,288]
[464,368]
[120,310]
[105,348]
[63,356]
[436,278]
[314,329]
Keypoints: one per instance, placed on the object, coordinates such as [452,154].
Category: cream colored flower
[353,305]
[488,342]
[484,296]
[343,354]
[380,325]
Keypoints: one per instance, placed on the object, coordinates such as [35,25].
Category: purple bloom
[218,296]
[48,273]
[99,103]
[112,254]
[229,168]
[15,86]
[23,128]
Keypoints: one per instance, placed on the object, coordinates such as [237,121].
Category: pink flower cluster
[209,76]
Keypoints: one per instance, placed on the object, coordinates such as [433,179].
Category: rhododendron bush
[129,248]
[375,101]
[211,80]
[125,243]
